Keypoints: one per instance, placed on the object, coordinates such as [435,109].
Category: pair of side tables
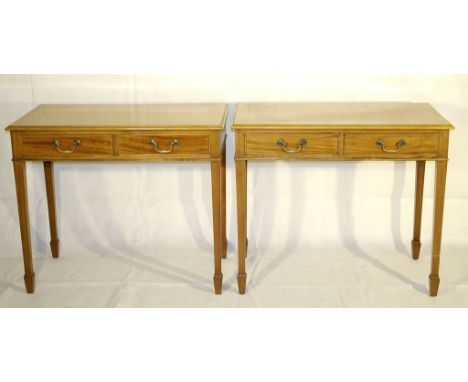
[263,131]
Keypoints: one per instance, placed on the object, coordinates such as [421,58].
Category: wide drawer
[153,145]
[391,145]
[65,146]
[291,145]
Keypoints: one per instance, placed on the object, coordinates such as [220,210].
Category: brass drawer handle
[76,144]
[380,142]
[154,143]
[284,146]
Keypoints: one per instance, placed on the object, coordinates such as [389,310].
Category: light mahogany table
[344,132]
[140,132]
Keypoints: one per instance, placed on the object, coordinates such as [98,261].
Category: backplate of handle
[75,145]
[299,145]
[380,142]
[154,144]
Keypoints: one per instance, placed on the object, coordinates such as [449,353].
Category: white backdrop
[327,234]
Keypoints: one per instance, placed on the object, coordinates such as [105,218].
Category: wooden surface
[37,146]
[50,191]
[418,201]
[393,115]
[344,132]
[261,144]
[223,201]
[241,187]
[114,145]
[23,214]
[365,146]
[119,133]
[439,198]
[217,226]
[138,144]
[124,116]
[341,144]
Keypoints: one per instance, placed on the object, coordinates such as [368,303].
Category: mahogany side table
[126,132]
[344,132]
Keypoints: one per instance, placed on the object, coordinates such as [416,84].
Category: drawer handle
[398,146]
[284,146]
[154,144]
[76,144]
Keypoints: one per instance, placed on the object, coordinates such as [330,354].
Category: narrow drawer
[64,146]
[391,145]
[164,145]
[291,145]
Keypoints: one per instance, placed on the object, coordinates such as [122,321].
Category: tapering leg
[439,196]
[223,203]
[241,185]
[216,201]
[418,200]
[50,190]
[246,238]
[23,213]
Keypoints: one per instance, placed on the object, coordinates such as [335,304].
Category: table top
[361,115]
[124,116]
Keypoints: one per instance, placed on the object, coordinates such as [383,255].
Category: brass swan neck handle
[75,145]
[154,144]
[380,142]
[299,145]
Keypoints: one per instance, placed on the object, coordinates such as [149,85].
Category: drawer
[291,145]
[65,146]
[162,145]
[391,145]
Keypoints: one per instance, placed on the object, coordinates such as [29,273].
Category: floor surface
[367,276]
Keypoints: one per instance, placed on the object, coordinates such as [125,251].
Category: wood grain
[344,132]
[418,202]
[241,187]
[223,200]
[189,145]
[365,146]
[323,115]
[216,204]
[118,133]
[439,197]
[23,214]
[124,116]
[266,144]
[40,146]
[50,191]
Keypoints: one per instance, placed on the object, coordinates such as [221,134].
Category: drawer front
[164,145]
[291,145]
[393,145]
[64,146]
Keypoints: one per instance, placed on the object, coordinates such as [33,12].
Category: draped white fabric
[320,234]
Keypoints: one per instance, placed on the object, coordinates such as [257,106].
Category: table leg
[223,203]
[418,200]
[439,195]
[50,190]
[246,238]
[22,199]
[216,201]
[241,184]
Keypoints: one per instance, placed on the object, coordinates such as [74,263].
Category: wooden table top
[361,115]
[124,116]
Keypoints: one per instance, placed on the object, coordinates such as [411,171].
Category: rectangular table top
[360,115]
[207,116]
